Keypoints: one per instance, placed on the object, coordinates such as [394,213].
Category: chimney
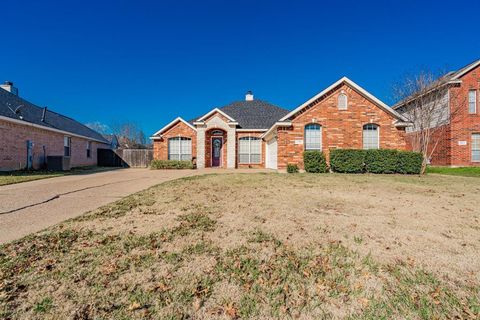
[8,85]
[249,96]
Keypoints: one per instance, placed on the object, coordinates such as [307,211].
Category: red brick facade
[13,147]
[452,144]
[179,129]
[341,129]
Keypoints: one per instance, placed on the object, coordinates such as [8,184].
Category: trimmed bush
[409,162]
[292,168]
[375,161]
[347,160]
[314,162]
[171,164]
[381,161]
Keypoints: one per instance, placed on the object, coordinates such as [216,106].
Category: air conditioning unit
[58,163]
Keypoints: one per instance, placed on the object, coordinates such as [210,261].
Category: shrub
[347,160]
[409,162]
[375,161]
[381,161]
[171,164]
[292,168]
[315,162]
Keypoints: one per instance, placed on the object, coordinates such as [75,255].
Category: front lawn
[258,245]
[462,171]
[24,176]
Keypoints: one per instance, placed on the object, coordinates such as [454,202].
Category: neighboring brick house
[29,134]
[457,135]
[256,134]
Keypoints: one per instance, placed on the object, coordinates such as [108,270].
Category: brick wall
[340,128]
[463,124]
[180,129]
[13,147]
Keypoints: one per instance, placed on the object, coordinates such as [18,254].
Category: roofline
[276,125]
[253,130]
[212,112]
[26,123]
[467,70]
[172,123]
[356,87]
[402,103]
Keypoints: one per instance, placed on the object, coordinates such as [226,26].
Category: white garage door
[272,154]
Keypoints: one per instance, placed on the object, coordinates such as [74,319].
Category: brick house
[29,134]
[257,134]
[457,135]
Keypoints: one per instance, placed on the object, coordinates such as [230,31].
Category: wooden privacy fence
[134,158]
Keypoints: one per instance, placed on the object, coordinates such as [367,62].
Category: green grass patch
[462,171]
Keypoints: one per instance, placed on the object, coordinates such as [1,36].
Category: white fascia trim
[403,124]
[356,87]
[468,69]
[252,130]
[275,126]
[155,138]
[67,133]
[212,112]
[172,123]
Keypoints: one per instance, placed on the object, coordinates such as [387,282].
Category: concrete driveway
[32,206]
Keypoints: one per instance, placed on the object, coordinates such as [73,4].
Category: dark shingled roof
[33,114]
[255,114]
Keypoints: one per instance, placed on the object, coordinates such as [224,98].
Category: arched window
[371,136]
[217,133]
[180,148]
[313,137]
[342,101]
[249,150]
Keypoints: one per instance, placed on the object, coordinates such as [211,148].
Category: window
[472,101]
[180,148]
[370,136]
[67,150]
[342,101]
[313,137]
[476,147]
[250,150]
[217,133]
[89,149]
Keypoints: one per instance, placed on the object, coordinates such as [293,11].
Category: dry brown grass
[258,245]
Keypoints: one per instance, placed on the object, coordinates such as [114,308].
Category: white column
[231,147]
[200,147]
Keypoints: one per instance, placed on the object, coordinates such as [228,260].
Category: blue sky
[149,61]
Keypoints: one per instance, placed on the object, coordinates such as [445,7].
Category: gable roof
[450,78]
[254,114]
[355,86]
[30,114]
[212,112]
[178,119]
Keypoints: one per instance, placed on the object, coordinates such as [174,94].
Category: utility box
[58,163]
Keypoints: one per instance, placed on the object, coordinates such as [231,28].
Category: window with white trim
[180,148]
[249,150]
[89,149]
[313,137]
[472,101]
[476,147]
[342,101]
[371,136]
[67,146]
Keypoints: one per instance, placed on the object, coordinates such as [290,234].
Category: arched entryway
[215,148]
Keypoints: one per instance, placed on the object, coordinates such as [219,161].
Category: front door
[217,151]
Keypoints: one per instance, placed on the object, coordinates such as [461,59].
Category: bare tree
[101,128]
[428,102]
[130,136]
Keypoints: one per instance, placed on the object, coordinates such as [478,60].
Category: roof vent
[8,85]
[249,96]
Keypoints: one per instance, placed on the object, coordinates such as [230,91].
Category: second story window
[472,101]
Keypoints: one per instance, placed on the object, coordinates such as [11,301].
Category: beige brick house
[29,134]
[254,133]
